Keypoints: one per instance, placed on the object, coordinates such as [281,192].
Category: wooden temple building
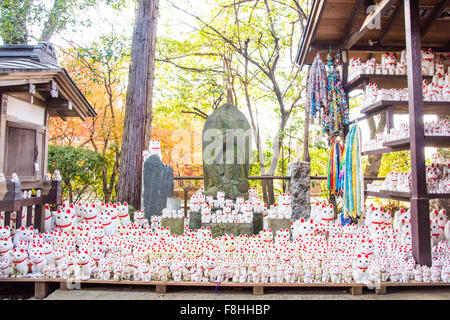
[33,88]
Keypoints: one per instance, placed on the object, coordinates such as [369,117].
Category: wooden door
[21,152]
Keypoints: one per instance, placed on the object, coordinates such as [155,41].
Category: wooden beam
[437,10]
[50,87]
[420,221]
[28,98]
[59,105]
[374,48]
[310,31]
[352,21]
[393,18]
[395,48]
[382,7]
[30,88]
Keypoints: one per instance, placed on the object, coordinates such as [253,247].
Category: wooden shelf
[386,150]
[382,80]
[402,107]
[403,144]
[393,195]
[403,196]
[400,144]
[430,141]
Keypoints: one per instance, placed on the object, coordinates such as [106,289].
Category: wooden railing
[16,201]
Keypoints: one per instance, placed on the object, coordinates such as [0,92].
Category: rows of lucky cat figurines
[431,128]
[376,249]
[432,64]
[110,216]
[377,220]
[437,175]
[432,92]
[394,181]
[241,211]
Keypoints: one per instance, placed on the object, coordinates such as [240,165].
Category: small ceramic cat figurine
[206,214]
[62,220]
[83,268]
[326,214]
[427,62]
[390,61]
[5,268]
[47,247]
[360,269]
[302,227]
[38,261]
[124,214]
[139,217]
[155,148]
[105,219]
[285,208]
[63,269]
[23,234]
[445,273]
[20,262]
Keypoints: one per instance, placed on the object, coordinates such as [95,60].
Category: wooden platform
[44,287]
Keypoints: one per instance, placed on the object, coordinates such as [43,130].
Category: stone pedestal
[195,220]
[236,229]
[157,182]
[277,224]
[258,222]
[176,225]
[299,189]
[173,204]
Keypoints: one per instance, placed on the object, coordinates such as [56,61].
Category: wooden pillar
[19,218]
[161,288]
[29,216]
[39,221]
[185,195]
[356,290]
[43,289]
[258,290]
[7,221]
[420,224]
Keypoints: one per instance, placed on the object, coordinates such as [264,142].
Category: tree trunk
[305,156]
[53,22]
[374,161]
[154,10]
[137,117]
[69,188]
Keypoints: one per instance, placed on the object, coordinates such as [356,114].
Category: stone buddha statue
[226,146]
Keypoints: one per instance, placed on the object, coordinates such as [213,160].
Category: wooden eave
[338,25]
[15,81]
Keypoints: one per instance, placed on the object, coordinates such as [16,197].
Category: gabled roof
[34,69]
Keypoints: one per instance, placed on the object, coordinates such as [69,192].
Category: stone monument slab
[157,186]
[299,188]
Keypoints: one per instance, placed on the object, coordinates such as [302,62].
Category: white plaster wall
[23,111]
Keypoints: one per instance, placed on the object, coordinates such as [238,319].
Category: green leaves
[21,20]
[80,168]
